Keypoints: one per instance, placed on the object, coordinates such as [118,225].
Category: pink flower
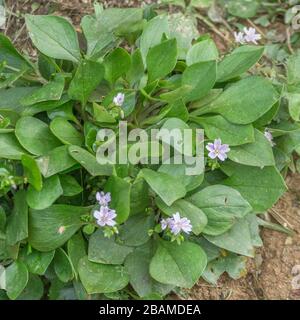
[218,150]
[105,217]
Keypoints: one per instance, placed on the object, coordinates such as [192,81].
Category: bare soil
[270,273]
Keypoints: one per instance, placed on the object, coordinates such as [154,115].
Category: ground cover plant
[72,227]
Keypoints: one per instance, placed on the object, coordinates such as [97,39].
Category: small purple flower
[269,137]
[239,37]
[119,99]
[178,224]
[218,150]
[105,217]
[103,198]
[251,35]
[165,223]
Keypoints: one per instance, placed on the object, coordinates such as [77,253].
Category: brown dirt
[270,273]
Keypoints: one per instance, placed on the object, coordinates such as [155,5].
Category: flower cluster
[104,216]
[248,35]
[218,150]
[176,224]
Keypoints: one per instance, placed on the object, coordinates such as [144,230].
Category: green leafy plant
[88,230]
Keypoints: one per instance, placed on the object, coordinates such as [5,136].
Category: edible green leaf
[65,132]
[16,279]
[106,250]
[52,227]
[43,199]
[161,59]
[89,162]
[222,206]
[239,61]
[35,136]
[120,197]
[178,265]
[54,36]
[101,278]
[261,187]
[87,77]
[164,185]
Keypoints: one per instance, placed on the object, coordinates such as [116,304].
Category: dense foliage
[153,71]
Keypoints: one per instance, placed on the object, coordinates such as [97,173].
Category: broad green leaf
[179,171]
[178,265]
[76,249]
[50,91]
[188,210]
[239,104]
[101,31]
[70,185]
[139,199]
[202,77]
[106,250]
[237,239]
[35,136]
[65,132]
[137,265]
[168,188]
[293,67]
[62,266]
[102,115]
[120,197]
[89,162]
[161,59]
[239,61]
[135,231]
[136,71]
[32,172]
[117,64]
[222,206]
[183,27]
[178,110]
[46,106]
[243,8]
[43,199]
[54,36]
[17,222]
[16,279]
[261,187]
[101,278]
[57,160]
[86,79]
[99,38]
[153,33]
[10,98]
[258,153]
[294,105]
[217,127]
[37,262]
[121,20]
[10,147]
[52,227]
[204,50]
[34,289]
[10,55]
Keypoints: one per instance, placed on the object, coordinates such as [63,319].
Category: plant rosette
[87,229]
